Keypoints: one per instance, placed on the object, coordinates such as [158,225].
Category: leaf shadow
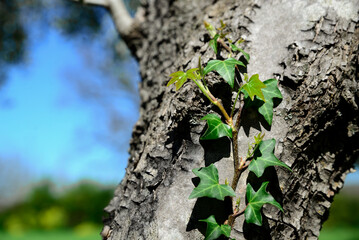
[253,119]
[215,150]
[205,207]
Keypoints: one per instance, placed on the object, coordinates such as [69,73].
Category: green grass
[51,235]
[339,233]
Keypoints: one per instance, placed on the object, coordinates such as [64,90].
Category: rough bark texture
[311,47]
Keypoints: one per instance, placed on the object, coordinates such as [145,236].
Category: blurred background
[68,103]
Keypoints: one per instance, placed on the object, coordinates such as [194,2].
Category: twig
[121,17]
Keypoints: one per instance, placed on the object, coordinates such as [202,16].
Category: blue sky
[48,129]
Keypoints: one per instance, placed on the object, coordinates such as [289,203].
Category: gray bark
[311,47]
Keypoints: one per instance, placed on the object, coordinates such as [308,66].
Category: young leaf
[266,159]
[225,68]
[256,200]
[209,185]
[214,44]
[211,30]
[216,128]
[271,91]
[246,55]
[254,87]
[223,26]
[214,230]
[257,140]
[180,77]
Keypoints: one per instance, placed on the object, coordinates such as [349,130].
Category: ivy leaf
[256,200]
[252,147]
[214,44]
[258,139]
[180,77]
[254,87]
[271,91]
[211,30]
[209,185]
[216,128]
[266,158]
[225,68]
[214,230]
[246,55]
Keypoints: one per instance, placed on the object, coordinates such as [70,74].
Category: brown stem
[221,41]
[237,165]
[237,171]
[233,217]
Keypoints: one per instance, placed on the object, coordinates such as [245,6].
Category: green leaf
[216,128]
[209,185]
[254,87]
[214,44]
[180,77]
[225,68]
[266,158]
[246,55]
[256,200]
[214,230]
[271,91]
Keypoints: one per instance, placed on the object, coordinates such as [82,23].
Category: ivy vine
[252,92]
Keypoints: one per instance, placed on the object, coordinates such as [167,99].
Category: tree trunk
[311,47]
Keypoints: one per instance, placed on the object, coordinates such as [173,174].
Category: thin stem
[225,114]
[238,165]
[206,92]
[233,217]
[221,41]
[216,102]
[235,101]
[204,83]
[237,171]
[238,121]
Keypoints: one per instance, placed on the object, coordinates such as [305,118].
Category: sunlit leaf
[254,87]
[256,200]
[209,185]
[271,91]
[225,68]
[214,44]
[265,158]
[180,77]
[246,55]
[214,230]
[216,128]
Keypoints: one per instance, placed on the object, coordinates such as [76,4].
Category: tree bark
[311,47]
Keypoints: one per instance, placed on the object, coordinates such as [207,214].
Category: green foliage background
[343,221]
[77,212]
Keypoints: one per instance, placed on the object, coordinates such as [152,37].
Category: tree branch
[103,3]
[121,17]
